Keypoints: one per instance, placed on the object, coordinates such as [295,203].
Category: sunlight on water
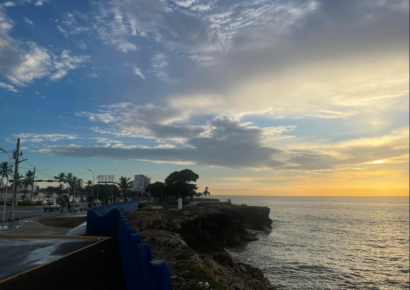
[332,242]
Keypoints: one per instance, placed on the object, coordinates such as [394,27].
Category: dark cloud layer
[230,145]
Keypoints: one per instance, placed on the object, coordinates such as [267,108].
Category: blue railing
[101,219]
[140,272]
[123,207]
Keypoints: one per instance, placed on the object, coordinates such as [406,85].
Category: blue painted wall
[140,272]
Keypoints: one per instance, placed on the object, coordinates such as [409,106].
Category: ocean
[331,242]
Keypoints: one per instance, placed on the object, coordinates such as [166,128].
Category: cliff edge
[192,242]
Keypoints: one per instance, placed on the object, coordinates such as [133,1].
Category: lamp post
[7,184]
[92,188]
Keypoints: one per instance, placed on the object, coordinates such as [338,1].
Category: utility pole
[7,184]
[92,188]
[32,185]
[75,181]
[16,177]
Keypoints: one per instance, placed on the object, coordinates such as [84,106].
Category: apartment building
[141,182]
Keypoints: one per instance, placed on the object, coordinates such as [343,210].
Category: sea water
[331,242]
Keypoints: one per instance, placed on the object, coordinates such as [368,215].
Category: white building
[141,182]
[28,188]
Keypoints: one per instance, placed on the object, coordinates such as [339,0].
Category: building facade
[141,182]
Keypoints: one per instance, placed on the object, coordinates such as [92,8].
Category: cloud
[148,121]
[280,54]
[28,21]
[136,70]
[25,61]
[82,45]
[40,137]
[62,30]
[350,152]
[201,28]
[159,66]
[28,65]
[9,4]
[69,20]
[69,25]
[8,87]
[329,114]
[66,62]
[38,4]
[229,145]
[121,20]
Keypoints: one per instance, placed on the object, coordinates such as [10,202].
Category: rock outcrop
[196,237]
[188,268]
[209,228]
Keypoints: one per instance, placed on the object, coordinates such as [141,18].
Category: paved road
[19,255]
[36,214]
[24,212]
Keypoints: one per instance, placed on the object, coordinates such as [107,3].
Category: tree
[19,181]
[62,200]
[28,179]
[25,191]
[5,172]
[156,190]
[124,183]
[89,187]
[79,183]
[178,183]
[70,176]
[62,176]
[60,188]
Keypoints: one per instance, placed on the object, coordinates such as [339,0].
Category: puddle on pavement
[7,228]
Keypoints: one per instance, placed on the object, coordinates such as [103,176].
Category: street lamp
[7,183]
[92,188]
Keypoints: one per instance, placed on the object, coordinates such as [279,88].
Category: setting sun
[378,161]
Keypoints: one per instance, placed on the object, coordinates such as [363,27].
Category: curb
[28,236]
[45,264]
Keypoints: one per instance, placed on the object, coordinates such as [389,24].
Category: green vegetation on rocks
[194,275]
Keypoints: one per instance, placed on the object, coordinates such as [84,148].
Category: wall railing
[140,272]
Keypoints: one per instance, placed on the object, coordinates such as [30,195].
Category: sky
[256,97]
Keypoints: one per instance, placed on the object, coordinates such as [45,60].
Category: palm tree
[62,200]
[28,179]
[62,176]
[24,194]
[19,181]
[60,188]
[79,183]
[70,176]
[89,186]
[124,183]
[5,172]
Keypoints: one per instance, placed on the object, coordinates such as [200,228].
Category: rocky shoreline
[192,242]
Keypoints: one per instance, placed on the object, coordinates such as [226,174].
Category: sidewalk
[19,255]
[35,244]
[97,267]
